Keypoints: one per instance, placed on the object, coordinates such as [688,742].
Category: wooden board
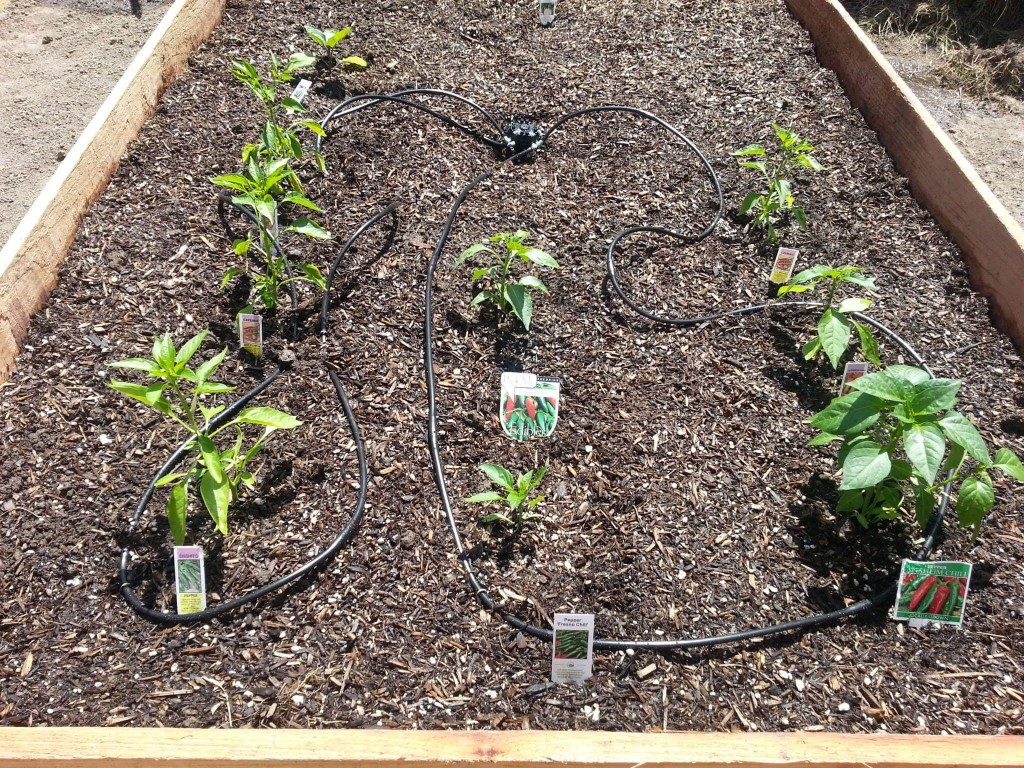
[173,748]
[32,257]
[941,178]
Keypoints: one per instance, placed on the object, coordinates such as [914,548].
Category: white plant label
[529,405]
[572,648]
[250,333]
[301,90]
[190,579]
[546,10]
[852,372]
[785,261]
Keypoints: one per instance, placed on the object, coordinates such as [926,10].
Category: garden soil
[681,499]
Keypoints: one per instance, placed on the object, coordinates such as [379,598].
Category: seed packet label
[529,405]
[301,90]
[250,333]
[851,372]
[572,648]
[933,591]
[189,579]
[785,261]
[546,9]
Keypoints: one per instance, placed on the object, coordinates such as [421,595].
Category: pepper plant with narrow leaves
[176,392]
[498,286]
[835,326]
[768,206]
[515,493]
[903,441]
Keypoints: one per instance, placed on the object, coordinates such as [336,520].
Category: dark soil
[681,499]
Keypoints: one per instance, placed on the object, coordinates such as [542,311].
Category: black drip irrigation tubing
[228,413]
[480,592]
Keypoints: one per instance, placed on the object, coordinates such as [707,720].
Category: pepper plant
[515,493]
[328,39]
[901,438]
[499,287]
[261,187]
[835,326]
[768,206]
[176,392]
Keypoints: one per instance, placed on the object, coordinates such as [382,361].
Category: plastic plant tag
[782,269]
[250,333]
[932,592]
[189,579]
[572,648]
[546,10]
[301,90]
[852,372]
[529,405]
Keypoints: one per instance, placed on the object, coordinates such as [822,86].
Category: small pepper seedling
[517,492]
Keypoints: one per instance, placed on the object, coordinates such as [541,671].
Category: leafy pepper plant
[328,39]
[499,287]
[768,206]
[514,493]
[901,438]
[176,392]
[835,326]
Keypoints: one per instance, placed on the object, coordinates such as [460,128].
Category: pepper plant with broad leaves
[768,206]
[177,393]
[514,493]
[835,326]
[903,442]
[328,39]
[498,286]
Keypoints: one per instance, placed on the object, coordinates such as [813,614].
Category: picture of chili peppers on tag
[528,410]
[571,643]
[934,596]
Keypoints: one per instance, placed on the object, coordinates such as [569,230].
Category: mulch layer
[681,499]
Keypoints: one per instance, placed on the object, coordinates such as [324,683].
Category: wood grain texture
[941,178]
[170,748]
[32,257]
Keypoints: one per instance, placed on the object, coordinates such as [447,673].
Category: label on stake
[190,579]
[529,405]
[546,10]
[250,333]
[852,372]
[932,592]
[572,648]
[301,90]
[785,261]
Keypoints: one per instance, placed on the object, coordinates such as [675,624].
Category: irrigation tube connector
[875,601]
[226,415]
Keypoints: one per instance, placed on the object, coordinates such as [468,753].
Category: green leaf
[299,61]
[868,345]
[232,181]
[961,431]
[312,125]
[824,439]
[750,149]
[169,479]
[318,36]
[216,498]
[335,36]
[177,511]
[163,352]
[312,273]
[851,501]
[472,251]
[144,394]
[811,274]
[800,216]
[854,304]
[521,301]
[498,475]
[355,61]
[188,349]
[487,496]
[204,371]
[211,458]
[305,202]
[748,203]
[1007,461]
[848,415]
[925,445]
[293,105]
[309,228]
[954,460]
[482,297]
[867,464]
[267,417]
[538,256]
[975,500]
[834,332]
[137,364]
[811,348]
[213,388]
[933,396]
[924,505]
[481,273]
[881,384]
[757,165]
[209,413]
[533,282]
[908,373]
